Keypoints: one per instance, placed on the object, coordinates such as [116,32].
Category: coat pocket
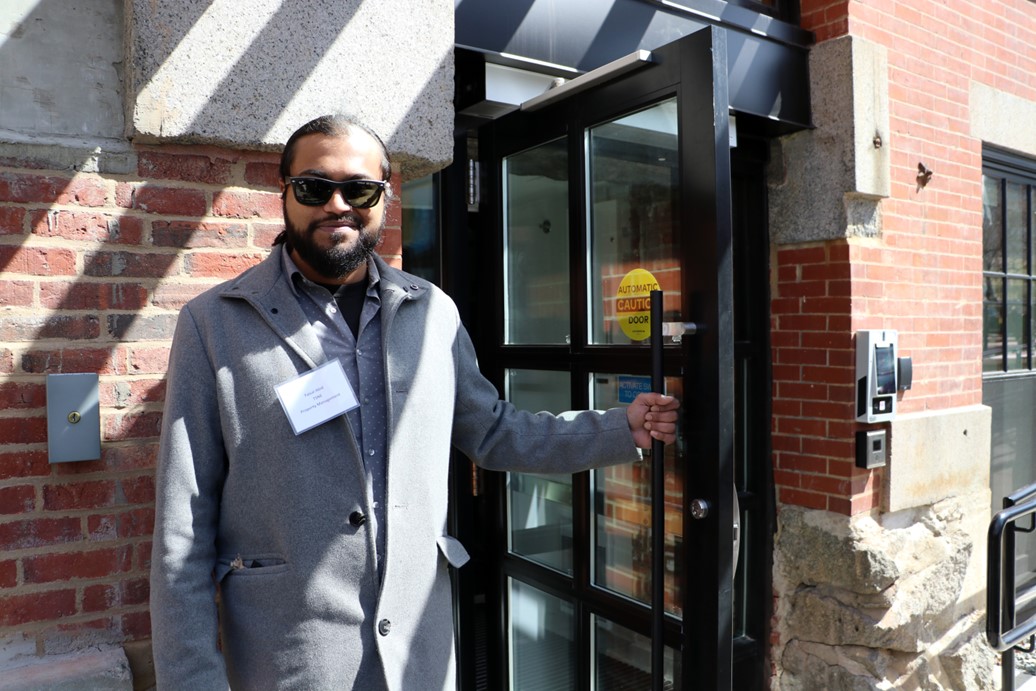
[249,565]
[453,550]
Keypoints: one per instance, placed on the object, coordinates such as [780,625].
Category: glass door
[599,198]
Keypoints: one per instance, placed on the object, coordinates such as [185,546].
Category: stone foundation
[883,601]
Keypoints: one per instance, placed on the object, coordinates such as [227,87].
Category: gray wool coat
[246,507]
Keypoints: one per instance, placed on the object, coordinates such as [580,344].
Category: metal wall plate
[73,418]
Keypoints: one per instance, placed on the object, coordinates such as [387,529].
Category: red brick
[15,187]
[12,220]
[17,610]
[79,495]
[184,167]
[83,226]
[170,201]
[175,295]
[130,456]
[138,490]
[219,265]
[136,523]
[102,528]
[136,625]
[15,395]
[17,499]
[143,557]
[129,264]
[38,261]
[23,430]
[148,360]
[16,294]
[98,563]
[101,360]
[23,464]
[263,174]
[189,235]
[231,204]
[8,573]
[79,295]
[797,497]
[133,392]
[134,326]
[34,328]
[136,425]
[39,532]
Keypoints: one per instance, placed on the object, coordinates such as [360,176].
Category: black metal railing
[1005,599]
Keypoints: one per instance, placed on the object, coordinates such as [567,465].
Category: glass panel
[539,506]
[542,637]
[419,222]
[622,510]
[1017,229]
[622,659]
[1017,321]
[632,170]
[993,324]
[536,302]
[992,225]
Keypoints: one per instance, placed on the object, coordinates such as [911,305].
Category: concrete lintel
[206,72]
[1003,119]
[103,670]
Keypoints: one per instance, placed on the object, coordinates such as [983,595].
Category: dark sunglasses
[359,194]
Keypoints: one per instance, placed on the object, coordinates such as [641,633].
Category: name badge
[317,396]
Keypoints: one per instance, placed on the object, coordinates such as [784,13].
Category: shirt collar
[291,270]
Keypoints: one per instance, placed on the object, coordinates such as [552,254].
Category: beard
[340,259]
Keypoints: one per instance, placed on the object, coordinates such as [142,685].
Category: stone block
[826,183]
[203,72]
[97,670]
[935,455]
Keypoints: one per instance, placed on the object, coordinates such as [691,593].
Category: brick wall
[93,270]
[922,276]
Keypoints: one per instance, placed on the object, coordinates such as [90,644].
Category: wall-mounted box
[876,375]
[73,418]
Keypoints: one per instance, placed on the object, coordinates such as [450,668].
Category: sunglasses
[359,194]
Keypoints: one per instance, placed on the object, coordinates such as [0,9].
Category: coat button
[356,518]
[384,626]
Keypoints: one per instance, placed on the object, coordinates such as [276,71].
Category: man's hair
[330,126]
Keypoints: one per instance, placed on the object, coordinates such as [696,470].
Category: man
[321,525]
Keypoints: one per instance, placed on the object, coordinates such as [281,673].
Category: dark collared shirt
[361,357]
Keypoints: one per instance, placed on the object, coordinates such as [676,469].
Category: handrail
[1001,598]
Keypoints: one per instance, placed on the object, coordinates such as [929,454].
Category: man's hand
[652,416]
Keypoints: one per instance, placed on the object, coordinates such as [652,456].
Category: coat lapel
[266,288]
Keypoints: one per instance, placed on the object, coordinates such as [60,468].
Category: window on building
[1009,272]
[420,228]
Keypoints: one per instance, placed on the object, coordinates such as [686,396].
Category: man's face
[331,243]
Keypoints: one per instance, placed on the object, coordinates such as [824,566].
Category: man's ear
[283,188]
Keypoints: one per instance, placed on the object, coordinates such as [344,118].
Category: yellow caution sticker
[633,304]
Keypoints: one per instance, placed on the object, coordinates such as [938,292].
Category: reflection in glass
[542,639]
[1017,322]
[1017,230]
[622,659]
[992,226]
[992,324]
[419,223]
[536,280]
[622,513]
[632,173]
[539,506]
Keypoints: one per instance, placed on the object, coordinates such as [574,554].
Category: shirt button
[359,352]
[332,310]
[370,452]
[356,519]
[384,626]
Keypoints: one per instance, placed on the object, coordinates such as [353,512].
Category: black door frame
[706,360]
